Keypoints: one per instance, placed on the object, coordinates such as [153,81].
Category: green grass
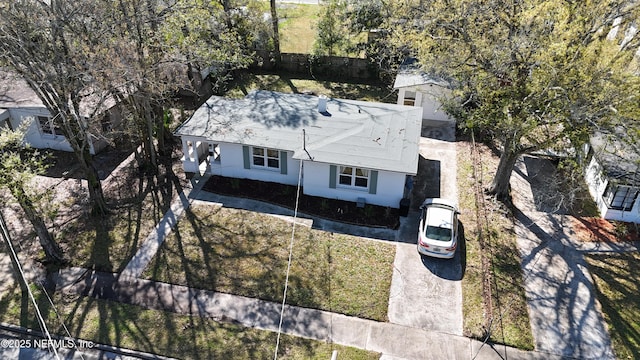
[164,333]
[246,82]
[617,281]
[510,324]
[107,244]
[297,25]
[245,253]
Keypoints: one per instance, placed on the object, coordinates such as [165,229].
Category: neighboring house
[612,178]
[349,150]
[417,88]
[19,105]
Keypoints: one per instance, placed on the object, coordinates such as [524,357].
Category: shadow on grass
[245,81]
[618,284]
[230,258]
[137,202]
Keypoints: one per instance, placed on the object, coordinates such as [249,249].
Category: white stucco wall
[389,191]
[597,184]
[427,96]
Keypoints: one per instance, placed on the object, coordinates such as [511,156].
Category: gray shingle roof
[412,74]
[356,133]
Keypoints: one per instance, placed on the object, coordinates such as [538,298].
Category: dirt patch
[285,195]
[591,229]
[64,164]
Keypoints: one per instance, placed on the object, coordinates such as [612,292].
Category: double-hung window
[354,177]
[48,126]
[620,197]
[265,158]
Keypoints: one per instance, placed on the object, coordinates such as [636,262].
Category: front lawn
[617,281]
[137,202]
[245,253]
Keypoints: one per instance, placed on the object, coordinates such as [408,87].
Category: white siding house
[417,88]
[350,150]
[612,178]
[20,106]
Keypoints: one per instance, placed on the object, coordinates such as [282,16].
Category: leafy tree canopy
[533,74]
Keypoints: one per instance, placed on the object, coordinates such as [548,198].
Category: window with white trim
[354,177]
[48,126]
[265,158]
[409,98]
[620,197]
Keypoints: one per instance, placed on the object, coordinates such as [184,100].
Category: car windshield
[438,233]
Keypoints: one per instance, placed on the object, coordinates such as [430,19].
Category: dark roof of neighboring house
[619,160]
[355,133]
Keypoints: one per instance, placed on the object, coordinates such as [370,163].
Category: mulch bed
[591,229]
[285,195]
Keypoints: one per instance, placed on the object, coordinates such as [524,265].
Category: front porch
[200,156]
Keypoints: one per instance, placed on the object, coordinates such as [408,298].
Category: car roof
[440,216]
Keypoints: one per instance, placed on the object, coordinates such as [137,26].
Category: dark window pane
[346,170]
[272,153]
[45,125]
[273,163]
[258,151]
[362,182]
[345,180]
[259,161]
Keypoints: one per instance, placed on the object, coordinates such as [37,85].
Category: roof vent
[322,104]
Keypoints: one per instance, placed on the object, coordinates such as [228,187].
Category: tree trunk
[96,196]
[276,34]
[51,249]
[151,150]
[500,184]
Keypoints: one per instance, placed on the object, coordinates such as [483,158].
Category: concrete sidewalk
[392,340]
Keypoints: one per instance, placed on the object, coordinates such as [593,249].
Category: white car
[438,232]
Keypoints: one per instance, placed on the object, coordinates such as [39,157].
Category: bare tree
[276,32]
[48,44]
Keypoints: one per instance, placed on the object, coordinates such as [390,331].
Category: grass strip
[510,322]
[163,333]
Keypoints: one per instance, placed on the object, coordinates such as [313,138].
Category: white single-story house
[349,150]
[612,178]
[19,105]
[417,88]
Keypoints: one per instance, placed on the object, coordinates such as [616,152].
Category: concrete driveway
[426,292]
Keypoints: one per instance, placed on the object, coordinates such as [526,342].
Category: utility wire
[53,306]
[286,281]
[43,325]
